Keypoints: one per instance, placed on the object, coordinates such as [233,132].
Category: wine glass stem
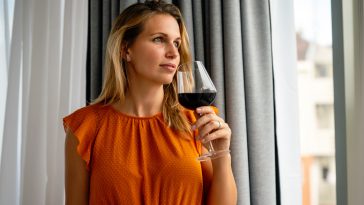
[210,147]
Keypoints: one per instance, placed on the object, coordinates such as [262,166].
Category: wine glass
[195,89]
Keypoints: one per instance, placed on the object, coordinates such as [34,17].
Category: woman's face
[154,55]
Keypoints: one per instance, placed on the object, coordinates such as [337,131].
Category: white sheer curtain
[46,80]
[6,11]
[286,101]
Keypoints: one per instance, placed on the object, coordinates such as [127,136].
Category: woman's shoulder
[87,115]
[88,110]
[83,124]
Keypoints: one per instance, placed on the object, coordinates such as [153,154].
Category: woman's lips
[169,66]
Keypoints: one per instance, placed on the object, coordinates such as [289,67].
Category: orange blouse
[136,160]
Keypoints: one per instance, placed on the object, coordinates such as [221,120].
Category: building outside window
[325,117]
[316,101]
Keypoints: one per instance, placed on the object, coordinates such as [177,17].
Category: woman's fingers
[204,119]
[205,110]
[204,115]
[210,127]
[221,138]
[218,134]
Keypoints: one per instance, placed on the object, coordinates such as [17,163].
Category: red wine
[194,100]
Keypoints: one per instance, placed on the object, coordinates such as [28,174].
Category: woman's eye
[177,44]
[158,40]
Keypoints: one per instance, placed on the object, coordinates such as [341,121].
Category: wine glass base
[213,155]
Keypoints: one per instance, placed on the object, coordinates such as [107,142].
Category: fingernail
[198,109]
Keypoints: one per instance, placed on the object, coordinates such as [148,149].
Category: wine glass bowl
[196,89]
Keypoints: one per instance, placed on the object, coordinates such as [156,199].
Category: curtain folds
[233,39]
[259,98]
[46,82]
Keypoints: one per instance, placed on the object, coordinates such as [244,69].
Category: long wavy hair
[126,27]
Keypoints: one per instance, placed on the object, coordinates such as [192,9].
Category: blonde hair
[126,27]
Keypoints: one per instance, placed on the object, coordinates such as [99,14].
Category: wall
[349,113]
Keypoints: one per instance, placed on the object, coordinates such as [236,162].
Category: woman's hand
[222,189]
[212,127]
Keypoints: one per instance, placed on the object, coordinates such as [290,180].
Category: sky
[313,19]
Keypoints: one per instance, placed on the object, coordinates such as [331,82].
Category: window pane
[315,85]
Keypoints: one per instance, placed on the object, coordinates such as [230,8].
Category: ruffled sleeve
[83,124]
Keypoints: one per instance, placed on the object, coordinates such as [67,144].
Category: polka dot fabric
[136,160]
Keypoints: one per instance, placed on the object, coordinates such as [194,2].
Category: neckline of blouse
[159,114]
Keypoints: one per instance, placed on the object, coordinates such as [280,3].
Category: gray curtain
[233,39]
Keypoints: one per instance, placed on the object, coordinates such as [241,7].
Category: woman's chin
[167,82]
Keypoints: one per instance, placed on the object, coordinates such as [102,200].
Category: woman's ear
[128,59]
[125,53]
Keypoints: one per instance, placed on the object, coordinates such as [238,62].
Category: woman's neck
[142,101]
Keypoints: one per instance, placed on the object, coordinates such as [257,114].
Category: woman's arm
[222,188]
[76,174]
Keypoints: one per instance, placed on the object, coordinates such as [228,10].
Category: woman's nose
[172,51]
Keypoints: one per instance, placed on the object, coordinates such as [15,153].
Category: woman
[135,144]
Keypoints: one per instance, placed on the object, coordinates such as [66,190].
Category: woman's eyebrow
[164,34]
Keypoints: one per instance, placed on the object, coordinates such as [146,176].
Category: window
[325,172]
[315,85]
[322,70]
